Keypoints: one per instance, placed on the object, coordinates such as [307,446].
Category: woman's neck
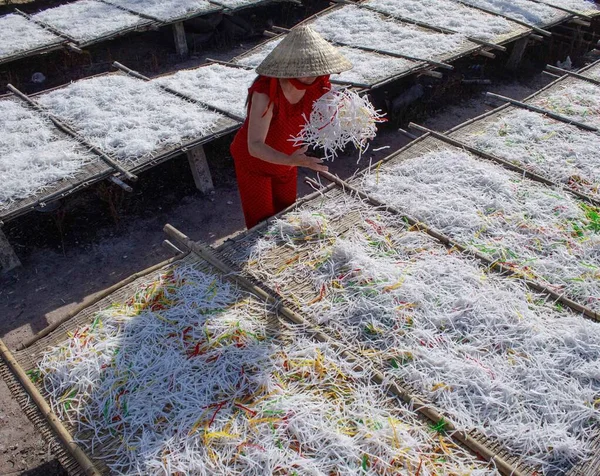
[292,94]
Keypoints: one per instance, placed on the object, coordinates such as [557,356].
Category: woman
[291,78]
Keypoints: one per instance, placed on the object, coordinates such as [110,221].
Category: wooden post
[8,258]
[180,41]
[517,53]
[200,171]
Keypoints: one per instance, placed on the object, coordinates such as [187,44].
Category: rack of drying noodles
[87,22]
[436,314]
[388,40]
[342,336]
[60,141]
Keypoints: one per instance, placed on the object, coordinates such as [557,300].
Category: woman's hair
[249,93]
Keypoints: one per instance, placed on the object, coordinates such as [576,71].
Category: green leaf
[440,426]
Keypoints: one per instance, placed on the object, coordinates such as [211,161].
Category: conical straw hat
[303,53]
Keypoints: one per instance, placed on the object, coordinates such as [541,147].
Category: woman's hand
[300,159]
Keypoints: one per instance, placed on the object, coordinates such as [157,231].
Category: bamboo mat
[466,132]
[224,125]
[55,45]
[418,148]
[466,48]
[99,170]
[84,177]
[28,359]
[300,292]
[427,144]
[518,30]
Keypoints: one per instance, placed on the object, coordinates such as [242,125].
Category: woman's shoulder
[262,84]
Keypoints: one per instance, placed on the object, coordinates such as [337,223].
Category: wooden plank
[517,53]
[8,258]
[200,171]
[180,41]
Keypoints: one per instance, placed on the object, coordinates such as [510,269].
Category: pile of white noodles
[338,118]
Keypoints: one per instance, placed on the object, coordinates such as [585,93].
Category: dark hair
[248,96]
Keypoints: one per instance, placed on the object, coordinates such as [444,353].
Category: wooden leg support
[8,258]
[517,53]
[200,170]
[180,41]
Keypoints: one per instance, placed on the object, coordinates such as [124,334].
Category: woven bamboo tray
[99,170]
[277,327]
[466,131]
[300,292]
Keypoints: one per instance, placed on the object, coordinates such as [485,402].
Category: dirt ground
[103,235]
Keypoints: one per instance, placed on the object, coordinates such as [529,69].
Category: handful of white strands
[340,117]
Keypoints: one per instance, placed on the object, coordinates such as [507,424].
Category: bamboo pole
[446,240]
[506,164]
[229,63]
[540,110]
[169,90]
[278,303]
[96,298]
[580,22]
[67,130]
[485,54]
[554,69]
[61,432]
[554,76]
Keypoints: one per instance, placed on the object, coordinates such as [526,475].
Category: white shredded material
[338,118]
[166,10]
[367,67]
[235,4]
[370,68]
[88,20]
[553,149]
[593,72]
[18,35]
[32,153]
[128,118]
[496,356]
[185,377]
[542,233]
[575,99]
[259,54]
[448,14]
[354,26]
[576,5]
[217,85]
[524,10]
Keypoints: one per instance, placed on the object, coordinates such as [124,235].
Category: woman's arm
[258,127]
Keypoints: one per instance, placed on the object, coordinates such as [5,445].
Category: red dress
[266,188]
